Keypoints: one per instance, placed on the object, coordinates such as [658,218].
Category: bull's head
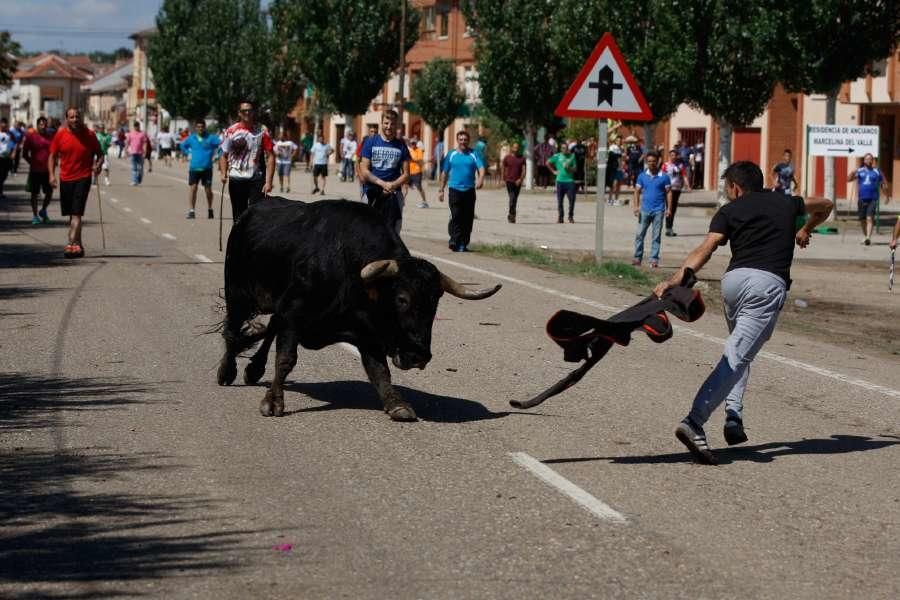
[408,291]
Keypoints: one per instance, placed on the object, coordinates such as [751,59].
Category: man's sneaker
[670,233]
[867,242]
[694,440]
[191,214]
[210,214]
[78,250]
[463,248]
[571,220]
[106,181]
[43,215]
[287,191]
[654,264]
[511,218]
[423,205]
[635,262]
[36,220]
[734,430]
[315,190]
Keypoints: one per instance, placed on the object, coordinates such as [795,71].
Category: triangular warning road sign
[605,88]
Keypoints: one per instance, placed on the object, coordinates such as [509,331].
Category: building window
[426,25]
[444,21]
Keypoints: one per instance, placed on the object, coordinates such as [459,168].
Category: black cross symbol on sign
[605,86]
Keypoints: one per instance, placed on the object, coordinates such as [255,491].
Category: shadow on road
[361,395]
[71,525]
[762,453]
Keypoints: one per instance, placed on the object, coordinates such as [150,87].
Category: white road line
[146,220]
[169,236]
[861,383]
[203,258]
[114,200]
[126,209]
[550,477]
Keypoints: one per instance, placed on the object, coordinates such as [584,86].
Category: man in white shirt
[285,149]
[348,155]
[320,153]
[165,142]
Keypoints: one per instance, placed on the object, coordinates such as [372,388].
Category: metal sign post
[602,160]
[604,89]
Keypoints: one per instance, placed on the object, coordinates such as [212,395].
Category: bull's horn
[455,288]
[379,268]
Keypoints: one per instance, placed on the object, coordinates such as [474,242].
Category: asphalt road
[126,471]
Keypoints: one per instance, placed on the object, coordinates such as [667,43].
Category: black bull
[328,272]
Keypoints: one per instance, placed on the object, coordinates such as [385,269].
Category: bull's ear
[379,269]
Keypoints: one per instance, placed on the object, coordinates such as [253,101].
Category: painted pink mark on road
[283,547]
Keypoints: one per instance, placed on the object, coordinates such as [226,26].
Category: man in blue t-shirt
[201,146]
[652,203]
[869,180]
[384,168]
[464,171]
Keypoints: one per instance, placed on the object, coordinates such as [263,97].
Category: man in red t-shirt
[36,150]
[76,149]
[513,168]
[242,165]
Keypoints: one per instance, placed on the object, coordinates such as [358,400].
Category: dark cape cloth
[586,338]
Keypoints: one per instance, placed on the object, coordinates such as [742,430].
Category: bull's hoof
[402,412]
[227,372]
[270,407]
[253,372]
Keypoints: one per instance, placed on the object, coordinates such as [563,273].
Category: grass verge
[578,264]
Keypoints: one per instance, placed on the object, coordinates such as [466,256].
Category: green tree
[437,94]
[520,77]
[286,81]
[738,63]
[346,48]
[9,49]
[208,55]
[833,41]
[651,36]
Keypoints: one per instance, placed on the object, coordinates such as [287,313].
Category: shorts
[204,177]
[163,152]
[866,209]
[415,180]
[320,170]
[73,196]
[40,182]
[284,169]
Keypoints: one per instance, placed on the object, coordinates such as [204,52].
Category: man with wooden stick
[76,149]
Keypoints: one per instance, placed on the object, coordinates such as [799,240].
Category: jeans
[243,193]
[512,190]
[137,168]
[670,220]
[565,189]
[347,171]
[753,300]
[5,167]
[462,215]
[647,219]
[389,206]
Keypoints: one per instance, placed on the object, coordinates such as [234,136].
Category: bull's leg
[256,368]
[377,369]
[236,341]
[272,404]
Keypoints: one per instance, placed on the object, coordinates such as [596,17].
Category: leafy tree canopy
[437,94]
[347,48]
[9,48]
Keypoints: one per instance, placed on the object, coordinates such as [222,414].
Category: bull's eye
[402,301]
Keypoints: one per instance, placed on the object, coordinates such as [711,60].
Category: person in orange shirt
[416,165]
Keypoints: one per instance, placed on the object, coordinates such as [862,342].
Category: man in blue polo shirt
[201,146]
[869,180]
[464,171]
[652,203]
[384,168]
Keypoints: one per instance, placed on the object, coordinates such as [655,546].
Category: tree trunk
[529,157]
[649,137]
[725,131]
[828,175]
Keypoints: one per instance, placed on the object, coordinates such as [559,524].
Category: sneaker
[694,439]
[654,264]
[287,191]
[191,214]
[106,181]
[43,215]
[78,250]
[571,220]
[68,251]
[635,262]
[133,183]
[616,203]
[456,248]
[559,220]
[463,248]
[669,233]
[511,218]
[36,220]
[423,205]
[734,430]
[315,190]
[322,192]
[210,214]
[867,242]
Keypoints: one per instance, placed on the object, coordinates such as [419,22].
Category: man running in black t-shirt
[761,226]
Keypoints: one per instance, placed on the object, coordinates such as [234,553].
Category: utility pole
[144,83]
[402,60]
